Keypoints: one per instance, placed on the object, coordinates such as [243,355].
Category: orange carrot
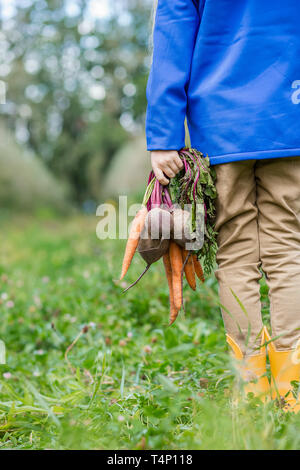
[189,269]
[168,270]
[198,268]
[177,264]
[133,239]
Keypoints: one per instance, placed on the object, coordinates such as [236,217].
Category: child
[232,68]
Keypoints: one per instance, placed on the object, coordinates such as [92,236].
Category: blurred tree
[25,182]
[76,73]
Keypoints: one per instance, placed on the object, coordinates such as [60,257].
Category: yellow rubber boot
[285,368]
[252,370]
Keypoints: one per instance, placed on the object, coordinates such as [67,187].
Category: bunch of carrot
[178,262]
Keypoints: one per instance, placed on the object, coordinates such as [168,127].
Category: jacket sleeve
[175,30]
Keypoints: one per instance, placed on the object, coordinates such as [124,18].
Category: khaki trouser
[258,220]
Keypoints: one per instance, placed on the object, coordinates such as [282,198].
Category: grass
[90,368]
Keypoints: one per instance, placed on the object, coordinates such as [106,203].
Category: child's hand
[165,163]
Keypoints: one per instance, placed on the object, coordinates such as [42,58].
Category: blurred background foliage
[71,137]
[75,74]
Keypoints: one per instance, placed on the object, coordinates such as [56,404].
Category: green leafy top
[195,185]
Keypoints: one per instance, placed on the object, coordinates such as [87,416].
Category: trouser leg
[238,255]
[278,201]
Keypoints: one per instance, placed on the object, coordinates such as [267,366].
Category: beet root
[152,250]
[181,233]
[158,224]
[155,237]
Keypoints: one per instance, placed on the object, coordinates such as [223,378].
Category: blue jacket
[232,67]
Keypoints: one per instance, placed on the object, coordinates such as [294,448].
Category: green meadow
[88,367]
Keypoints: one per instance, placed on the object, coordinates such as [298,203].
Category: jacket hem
[257,155]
